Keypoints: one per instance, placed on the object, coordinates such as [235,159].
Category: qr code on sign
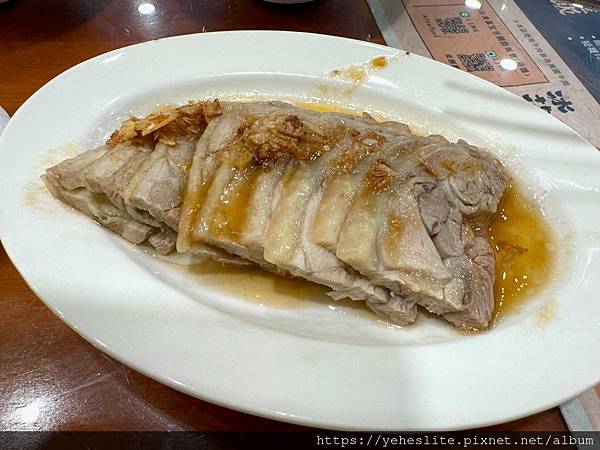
[475,62]
[452,25]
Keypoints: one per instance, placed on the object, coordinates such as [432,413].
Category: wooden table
[50,378]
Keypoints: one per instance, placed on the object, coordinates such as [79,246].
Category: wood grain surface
[50,378]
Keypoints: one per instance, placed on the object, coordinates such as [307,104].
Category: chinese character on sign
[540,100]
[593,49]
[452,61]
[551,99]
[558,100]
[565,7]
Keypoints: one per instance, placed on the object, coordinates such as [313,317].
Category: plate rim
[186,389]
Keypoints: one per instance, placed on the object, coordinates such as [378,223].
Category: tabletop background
[50,378]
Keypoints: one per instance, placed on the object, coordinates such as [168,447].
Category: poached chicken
[366,208]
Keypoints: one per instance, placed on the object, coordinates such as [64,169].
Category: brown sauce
[259,286]
[354,74]
[193,205]
[229,217]
[357,74]
[524,247]
[326,107]
[378,63]
[394,231]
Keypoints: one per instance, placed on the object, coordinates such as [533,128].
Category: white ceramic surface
[3,119]
[318,365]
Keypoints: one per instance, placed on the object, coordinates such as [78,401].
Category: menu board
[546,51]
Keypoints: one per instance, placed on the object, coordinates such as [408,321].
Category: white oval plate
[318,365]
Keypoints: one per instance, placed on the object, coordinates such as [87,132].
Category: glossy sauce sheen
[230,215]
[519,234]
[523,242]
[259,286]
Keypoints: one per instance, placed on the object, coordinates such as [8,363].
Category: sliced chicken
[345,202]
[264,212]
[366,208]
[133,185]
